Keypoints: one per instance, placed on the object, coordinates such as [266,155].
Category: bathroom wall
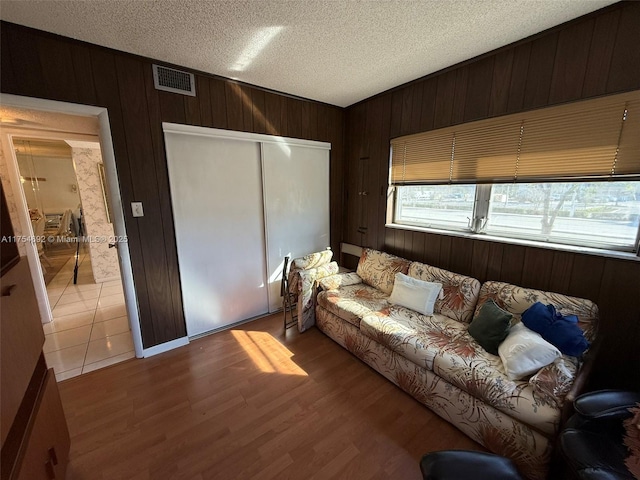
[104,260]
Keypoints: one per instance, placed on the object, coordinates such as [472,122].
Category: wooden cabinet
[35,437]
[46,450]
[21,339]
[9,252]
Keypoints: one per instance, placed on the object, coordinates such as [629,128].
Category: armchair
[602,439]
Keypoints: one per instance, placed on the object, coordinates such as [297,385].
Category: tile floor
[90,328]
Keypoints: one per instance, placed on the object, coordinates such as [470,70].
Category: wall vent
[172,80]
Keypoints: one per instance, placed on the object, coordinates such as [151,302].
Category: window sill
[527,243]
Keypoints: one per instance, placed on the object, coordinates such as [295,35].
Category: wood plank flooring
[251,402]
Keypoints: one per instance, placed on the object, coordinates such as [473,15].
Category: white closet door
[216,192]
[296,203]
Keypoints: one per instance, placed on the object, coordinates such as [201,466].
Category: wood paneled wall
[38,64]
[594,55]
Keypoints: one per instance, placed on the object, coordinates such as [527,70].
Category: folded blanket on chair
[307,289]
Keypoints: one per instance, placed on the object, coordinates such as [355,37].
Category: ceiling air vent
[172,80]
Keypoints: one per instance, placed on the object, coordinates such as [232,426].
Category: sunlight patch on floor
[269,355]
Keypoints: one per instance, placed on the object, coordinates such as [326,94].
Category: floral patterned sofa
[434,359]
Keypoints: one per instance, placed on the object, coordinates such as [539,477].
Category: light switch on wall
[136,209]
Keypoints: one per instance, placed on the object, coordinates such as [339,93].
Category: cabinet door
[21,339]
[47,450]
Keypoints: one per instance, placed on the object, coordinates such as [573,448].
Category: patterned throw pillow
[554,381]
[379,269]
[313,260]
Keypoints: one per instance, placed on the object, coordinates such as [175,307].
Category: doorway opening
[58,170]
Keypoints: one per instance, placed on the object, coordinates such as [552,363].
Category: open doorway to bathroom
[58,195]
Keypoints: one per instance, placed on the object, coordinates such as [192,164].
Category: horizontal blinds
[591,139]
[482,153]
[412,163]
[628,160]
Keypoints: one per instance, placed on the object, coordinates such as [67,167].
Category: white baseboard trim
[165,347]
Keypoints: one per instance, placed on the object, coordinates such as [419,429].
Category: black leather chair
[592,441]
[467,464]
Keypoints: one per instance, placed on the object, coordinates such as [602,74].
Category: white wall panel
[216,193]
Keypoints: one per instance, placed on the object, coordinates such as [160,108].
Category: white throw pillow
[524,352]
[415,294]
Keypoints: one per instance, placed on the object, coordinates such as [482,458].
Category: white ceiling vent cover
[172,80]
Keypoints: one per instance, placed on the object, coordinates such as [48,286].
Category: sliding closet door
[216,192]
[296,202]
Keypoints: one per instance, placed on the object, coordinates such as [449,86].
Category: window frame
[478,222]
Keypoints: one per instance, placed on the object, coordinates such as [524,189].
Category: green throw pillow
[490,327]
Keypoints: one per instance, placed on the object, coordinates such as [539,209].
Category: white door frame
[109,160]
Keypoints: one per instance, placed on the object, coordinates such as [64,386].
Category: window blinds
[596,139]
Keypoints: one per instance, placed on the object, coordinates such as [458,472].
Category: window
[590,214]
[448,207]
[568,174]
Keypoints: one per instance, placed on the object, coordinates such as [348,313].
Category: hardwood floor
[251,402]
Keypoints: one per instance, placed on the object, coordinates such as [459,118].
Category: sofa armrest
[339,280]
[579,384]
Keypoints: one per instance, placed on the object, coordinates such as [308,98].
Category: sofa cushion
[516,300]
[353,302]
[379,269]
[483,376]
[414,336]
[460,293]
[415,294]
[490,327]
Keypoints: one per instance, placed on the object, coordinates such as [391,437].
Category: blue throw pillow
[560,330]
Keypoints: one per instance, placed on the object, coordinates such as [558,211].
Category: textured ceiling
[23,118]
[335,51]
